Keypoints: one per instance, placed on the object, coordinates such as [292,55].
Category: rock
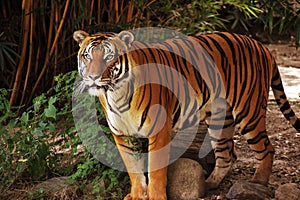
[288,191]
[55,188]
[199,150]
[52,185]
[243,190]
[185,180]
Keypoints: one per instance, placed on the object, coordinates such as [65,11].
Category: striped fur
[222,78]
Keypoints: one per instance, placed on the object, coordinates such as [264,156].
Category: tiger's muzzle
[97,85]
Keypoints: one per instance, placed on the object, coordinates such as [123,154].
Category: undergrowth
[42,142]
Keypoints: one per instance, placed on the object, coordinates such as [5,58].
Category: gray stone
[289,191]
[243,190]
[52,185]
[185,180]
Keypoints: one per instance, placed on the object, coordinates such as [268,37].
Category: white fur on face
[93,91]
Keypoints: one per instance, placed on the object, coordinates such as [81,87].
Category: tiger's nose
[94,77]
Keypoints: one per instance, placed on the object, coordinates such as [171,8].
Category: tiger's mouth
[102,86]
[97,86]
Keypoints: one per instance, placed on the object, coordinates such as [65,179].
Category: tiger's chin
[96,91]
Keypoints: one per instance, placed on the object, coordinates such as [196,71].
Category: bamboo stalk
[49,36]
[117,11]
[52,48]
[4,8]
[45,26]
[57,17]
[29,56]
[74,10]
[85,13]
[50,30]
[55,65]
[110,12]
[130,12]
[91,12]
[99,12]
[60,27]
[26,7]
[37,59]
[121,8]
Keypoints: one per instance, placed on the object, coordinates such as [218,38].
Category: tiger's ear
[126,37]
[79,36]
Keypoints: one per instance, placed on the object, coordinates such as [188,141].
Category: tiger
[152,89]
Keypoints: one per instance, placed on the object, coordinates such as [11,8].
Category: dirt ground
[284,137]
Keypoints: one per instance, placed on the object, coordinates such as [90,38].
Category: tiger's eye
[109,57]
[87,56]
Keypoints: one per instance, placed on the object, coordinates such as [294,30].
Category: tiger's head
[101,59]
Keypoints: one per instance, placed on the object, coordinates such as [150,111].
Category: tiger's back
[247,68]
[220,61]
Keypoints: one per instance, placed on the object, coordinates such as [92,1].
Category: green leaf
[38,132]
[52,100]
[270,20]
[24,118]
[50,112]
[51,127]
[38,101]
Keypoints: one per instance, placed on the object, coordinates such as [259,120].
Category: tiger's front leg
[159,149]
[134,163]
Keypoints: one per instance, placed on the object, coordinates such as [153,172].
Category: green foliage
[198,16]
[27,142]
[90,172]
[239,13]
[5,110]
[43,142]
[279,14]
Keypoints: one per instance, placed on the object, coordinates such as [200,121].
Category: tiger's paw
[157,193]
[158,197]
[261,181]
[131,197]
[213,182]
[137,193]
[216,177]
[211,185]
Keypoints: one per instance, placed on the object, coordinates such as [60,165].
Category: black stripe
[177,113]
[259,136]
[110,107]
[289,115]
[145,112]
[285,106]
[205,41]
[267,153]
[220,50]
[283,96]
[226,160]
[253,119]
[297,125]
[276,76]
[277,87]
[231,46]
